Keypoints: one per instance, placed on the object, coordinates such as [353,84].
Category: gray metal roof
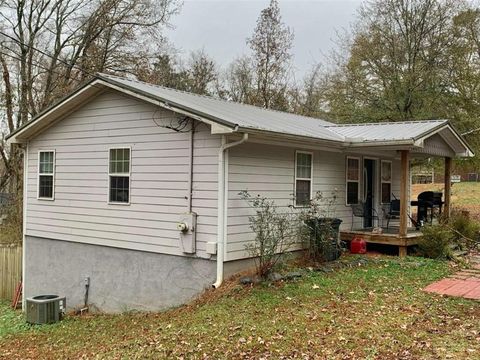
[231,113]
[391,131]
[246,118]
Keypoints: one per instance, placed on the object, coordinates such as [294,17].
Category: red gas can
[358,245]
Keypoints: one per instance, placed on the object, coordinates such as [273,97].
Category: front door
[369,175]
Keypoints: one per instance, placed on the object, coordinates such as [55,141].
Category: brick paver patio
[465,283]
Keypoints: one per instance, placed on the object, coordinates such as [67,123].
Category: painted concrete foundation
[120,280]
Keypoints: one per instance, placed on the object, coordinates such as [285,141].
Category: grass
[464,194]
[11,322]
[367,309]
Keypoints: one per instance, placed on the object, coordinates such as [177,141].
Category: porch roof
[427,137]
[387,131]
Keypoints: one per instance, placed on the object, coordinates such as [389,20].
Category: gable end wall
[159,178]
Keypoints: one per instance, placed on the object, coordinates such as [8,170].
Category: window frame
[385,182]
[119,175]
[354,181]
[303,179]
[46,174]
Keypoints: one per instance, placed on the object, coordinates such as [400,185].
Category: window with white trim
[119,176]
[303,177]
[46,174]
[386,171]
[352,180]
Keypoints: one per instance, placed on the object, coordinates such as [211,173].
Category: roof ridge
[100,75]
[390,122]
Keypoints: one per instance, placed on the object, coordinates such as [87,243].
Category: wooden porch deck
[387,237]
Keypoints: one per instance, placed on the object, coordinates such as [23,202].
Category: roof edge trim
[447,125]
[219,127]
[12,137]
[165,103]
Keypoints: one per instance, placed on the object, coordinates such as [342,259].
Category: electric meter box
[187,227]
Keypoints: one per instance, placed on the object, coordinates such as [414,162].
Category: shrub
[435,242]
[275,231]
[458,231]
[465,230]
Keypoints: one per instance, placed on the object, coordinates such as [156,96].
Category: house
[133,188]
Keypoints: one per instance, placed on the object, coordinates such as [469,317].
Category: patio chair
[360,210]
[393,211]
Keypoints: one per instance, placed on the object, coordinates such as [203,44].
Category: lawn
[465,195]
[11,322]
[368,308]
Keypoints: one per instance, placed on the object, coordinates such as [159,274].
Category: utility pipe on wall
[190,167]
[222,209]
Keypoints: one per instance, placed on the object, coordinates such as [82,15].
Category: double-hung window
[303,177]
[353,180]
[386,181]
[119,176]
[46,174]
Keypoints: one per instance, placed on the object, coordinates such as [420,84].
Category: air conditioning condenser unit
[45,309]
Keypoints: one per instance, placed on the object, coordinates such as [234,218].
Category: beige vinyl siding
[159,178]
[436,145]
[269,171]
[261,169]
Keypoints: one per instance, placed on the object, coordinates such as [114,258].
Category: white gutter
[222,208]
[373,143]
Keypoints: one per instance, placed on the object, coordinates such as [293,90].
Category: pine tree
[271,44]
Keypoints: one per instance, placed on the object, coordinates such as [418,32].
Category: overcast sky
[221,27]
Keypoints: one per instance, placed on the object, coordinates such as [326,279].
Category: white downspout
[222,209]
[24,220]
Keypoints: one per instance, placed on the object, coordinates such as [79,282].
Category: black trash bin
[324,238]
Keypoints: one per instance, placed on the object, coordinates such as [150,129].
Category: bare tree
[50,46]
[307,99]
[164,69]
[239,81]
[397,61]
[202,73]
[199,75]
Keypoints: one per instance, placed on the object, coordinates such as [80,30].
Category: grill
[428,204]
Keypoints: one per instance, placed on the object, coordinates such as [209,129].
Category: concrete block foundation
[120,279]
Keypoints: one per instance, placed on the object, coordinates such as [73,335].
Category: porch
[389,236]
[407,232]
[375,214]
[378,209]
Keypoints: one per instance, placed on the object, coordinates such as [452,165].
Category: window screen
[119,174]
[353,180]
[46,174]
[386,181]
[303,178]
